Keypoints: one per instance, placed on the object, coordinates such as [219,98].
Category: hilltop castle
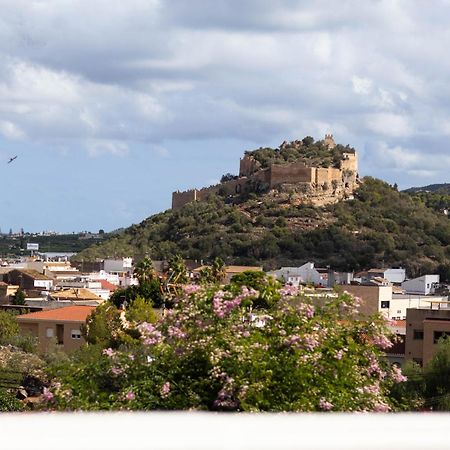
[318,185]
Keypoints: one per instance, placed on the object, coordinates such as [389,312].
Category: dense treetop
[312,153]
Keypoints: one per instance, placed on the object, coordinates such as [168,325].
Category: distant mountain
[443,188]
[379,227]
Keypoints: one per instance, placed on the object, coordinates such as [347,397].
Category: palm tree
[177,270]
[218,270]
[144,271]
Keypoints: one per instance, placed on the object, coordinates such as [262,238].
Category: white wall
[424,285]
[395,275]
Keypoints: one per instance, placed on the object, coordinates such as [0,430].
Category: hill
[380,226]
[443,188]
[435,196]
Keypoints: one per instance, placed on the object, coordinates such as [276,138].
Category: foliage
[266,286]
[18,298]
[437,378]
[8,402]
[104,326]
[212,353]
[144,271]
[140,311]
[177,273]
[109,326]
[228,177]
[215,273]
[312,153]
[149,290]
[8,326]
[379,226]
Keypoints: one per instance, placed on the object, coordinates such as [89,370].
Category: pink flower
[130,395]
[191,289]
[288,290]
[382,341]
[116,371]
[108,352]
[397,375]
[175,332]
[149,333]
[47,395]
[165,389]
[325,405]
[381,407]
[339,354]
[310,341]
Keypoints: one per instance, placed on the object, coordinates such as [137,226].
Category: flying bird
[12,159]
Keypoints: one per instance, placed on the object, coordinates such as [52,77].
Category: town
[51,300]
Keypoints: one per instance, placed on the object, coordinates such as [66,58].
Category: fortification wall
[320,185]
[290,174]
[179,199]
[327,175]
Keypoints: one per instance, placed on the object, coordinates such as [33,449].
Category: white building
[424,285]
[306,274]
[392,305]
[395,276]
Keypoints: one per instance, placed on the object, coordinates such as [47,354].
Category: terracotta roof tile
[107,285]
[76,313]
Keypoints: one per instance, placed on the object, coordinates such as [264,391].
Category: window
[399,311]
[76,334]
[60,334]
[438,335]
[418,335]
[49,332]
[385,304]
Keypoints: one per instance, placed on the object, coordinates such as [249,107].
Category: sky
[111,105]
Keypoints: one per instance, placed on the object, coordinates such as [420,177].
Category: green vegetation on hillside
[14,245]
[379,227]
[435,196]
[312,153]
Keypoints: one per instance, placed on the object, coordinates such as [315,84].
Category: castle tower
[248,166]
[329,141]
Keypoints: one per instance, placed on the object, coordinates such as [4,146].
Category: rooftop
[33,274]
[76,313]
[75,294]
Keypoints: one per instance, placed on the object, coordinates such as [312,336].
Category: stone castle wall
[290,173]
[324,185]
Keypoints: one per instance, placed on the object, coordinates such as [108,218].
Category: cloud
[11,131]
[105,147]
[103,75]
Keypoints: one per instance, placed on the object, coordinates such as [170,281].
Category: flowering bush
[213,352]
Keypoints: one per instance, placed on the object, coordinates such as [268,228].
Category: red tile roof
[78,313]
[108,286]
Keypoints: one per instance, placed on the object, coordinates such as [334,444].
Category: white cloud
[387,124]
[361,85]
[106,147]
[11,131]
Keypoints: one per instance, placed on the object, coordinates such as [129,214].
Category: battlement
[334,182]
[329,141]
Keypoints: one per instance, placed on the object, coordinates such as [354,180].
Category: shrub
[211,352]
